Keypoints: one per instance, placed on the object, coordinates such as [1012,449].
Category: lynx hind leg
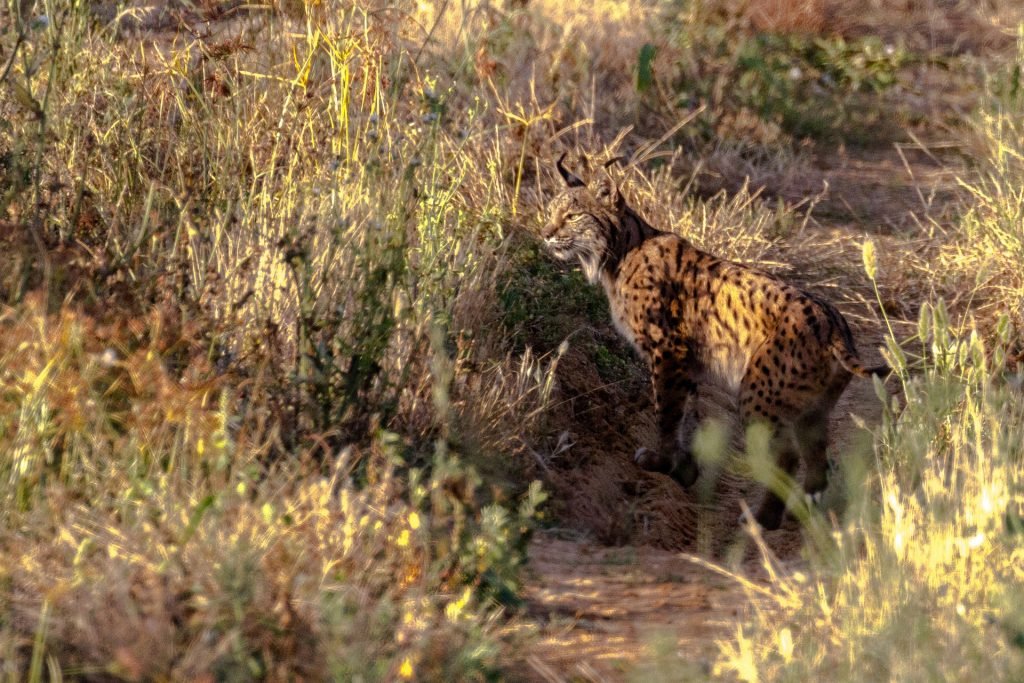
[811,433]
[762,401]
[784,453]
[812,442]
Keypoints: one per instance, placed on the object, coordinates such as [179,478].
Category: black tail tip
[882,371]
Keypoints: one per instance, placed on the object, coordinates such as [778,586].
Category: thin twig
[14,54]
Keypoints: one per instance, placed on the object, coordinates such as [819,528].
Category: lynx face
[581,223]
[698,319]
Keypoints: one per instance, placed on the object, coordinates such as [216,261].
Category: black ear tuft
[607,191]
[570,179]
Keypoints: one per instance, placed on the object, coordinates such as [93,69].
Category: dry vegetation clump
[983,256]
[146,534]
[248,281]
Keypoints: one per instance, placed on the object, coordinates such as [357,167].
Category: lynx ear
[607,191]
[570,179]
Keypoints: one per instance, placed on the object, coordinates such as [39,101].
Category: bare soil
[602,609]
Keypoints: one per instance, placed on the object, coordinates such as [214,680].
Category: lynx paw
[769,517]
[687,472]
[684,470]
[652,461]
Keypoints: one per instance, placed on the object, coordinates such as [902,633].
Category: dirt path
[603,610]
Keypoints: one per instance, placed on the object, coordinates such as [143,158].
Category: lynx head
[583,218]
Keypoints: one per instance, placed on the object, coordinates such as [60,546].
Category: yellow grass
[260,414]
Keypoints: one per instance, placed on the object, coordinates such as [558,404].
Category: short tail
[849,360]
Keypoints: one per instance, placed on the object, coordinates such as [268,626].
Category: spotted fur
[785,354]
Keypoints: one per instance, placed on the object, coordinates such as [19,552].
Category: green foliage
[1003,81]
[822,87]
[497,551]
[543,302]
[614,364]
[809,85]
[644,67]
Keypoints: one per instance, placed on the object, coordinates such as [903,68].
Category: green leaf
[645,69]
[196,517]
[25,99]
[1014,522]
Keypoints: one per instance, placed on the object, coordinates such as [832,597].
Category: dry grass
[985,253]
[267,411]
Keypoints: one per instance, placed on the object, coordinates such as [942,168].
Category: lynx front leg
[675,399]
